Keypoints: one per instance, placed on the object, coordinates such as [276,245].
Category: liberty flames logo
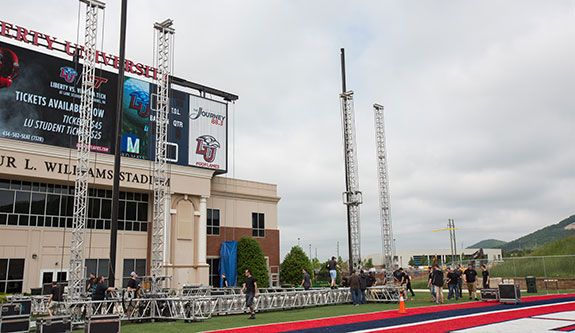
[68,74]
[207,146]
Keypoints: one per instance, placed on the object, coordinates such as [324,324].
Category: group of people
[358,284]
[455,279]
[95,287]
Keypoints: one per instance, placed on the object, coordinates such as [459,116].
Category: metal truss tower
[384,206]
[164,36]
[76,282]
[352,196]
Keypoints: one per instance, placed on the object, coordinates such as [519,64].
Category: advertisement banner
[40,100]
[208,133]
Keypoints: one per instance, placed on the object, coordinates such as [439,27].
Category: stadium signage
[31,37]
[54,167]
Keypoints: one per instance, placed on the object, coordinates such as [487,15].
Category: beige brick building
[36,198]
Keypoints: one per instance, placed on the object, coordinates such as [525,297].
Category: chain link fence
[561,266]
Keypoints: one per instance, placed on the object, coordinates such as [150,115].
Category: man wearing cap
[134,283]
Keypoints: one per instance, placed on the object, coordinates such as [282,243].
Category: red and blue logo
[207,146]
[68,74]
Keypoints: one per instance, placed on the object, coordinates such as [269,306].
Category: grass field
[231,321]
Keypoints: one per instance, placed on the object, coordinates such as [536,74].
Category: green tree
[411,262]
[293,263]
[316,264]
[368,263]
[423,260]
[251,256]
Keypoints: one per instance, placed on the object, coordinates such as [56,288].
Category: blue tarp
[229,262]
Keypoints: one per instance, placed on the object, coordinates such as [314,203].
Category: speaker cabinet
[490,295]
[103,324]
[509,293]
[59,324]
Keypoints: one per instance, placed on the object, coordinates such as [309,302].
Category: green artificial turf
[241,320]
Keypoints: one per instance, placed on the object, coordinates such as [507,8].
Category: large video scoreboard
[40,103]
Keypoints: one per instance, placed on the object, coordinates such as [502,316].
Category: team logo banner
[208,133]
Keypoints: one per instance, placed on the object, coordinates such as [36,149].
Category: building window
[133,265]
[214,272]
[258,225]
[52,205]
[11,275]
[213,221]
[98,267]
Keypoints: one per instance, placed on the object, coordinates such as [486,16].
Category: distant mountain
[540,237]
[556,247]
[487,244]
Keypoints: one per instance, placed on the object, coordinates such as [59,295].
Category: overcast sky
[479,103]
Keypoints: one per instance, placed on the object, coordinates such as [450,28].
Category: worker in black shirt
[55,298]
[134,283]
[437,281]
[485,275]
[90,282]
[397,276]
[251,288]
[224,281]
[362,286]
[99,292]
[405,279]
[100,289]
[470,276]
[430,285]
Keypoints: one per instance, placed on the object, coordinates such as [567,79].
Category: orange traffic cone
[402,304]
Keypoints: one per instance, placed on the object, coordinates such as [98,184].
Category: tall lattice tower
[352,196]
[383,182]
[76,282]
[164,37]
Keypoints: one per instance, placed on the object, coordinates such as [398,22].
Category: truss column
[76,282]
[352,197]
[383,182]
[164,34]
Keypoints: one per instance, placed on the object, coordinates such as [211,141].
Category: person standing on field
[437,281]
[55,298]
[452,283]
[470,276]
[354,287]
[362,286]
[251,288]
[459,273]
[485,275]
[430,285]
[405,279]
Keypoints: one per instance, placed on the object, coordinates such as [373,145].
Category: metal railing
[201,303]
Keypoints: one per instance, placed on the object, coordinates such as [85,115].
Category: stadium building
[39,99]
